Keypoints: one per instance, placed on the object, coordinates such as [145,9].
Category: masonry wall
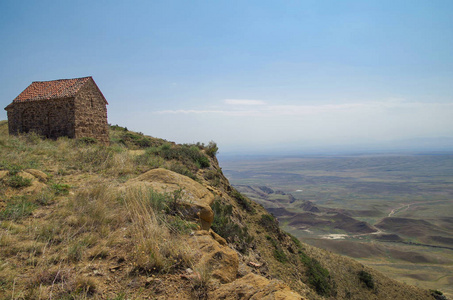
[49,118]
[91,114]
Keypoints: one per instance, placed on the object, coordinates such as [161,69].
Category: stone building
[67,107]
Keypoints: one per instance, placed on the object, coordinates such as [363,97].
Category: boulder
[254,287]
[196,199]
[220,260]
[41,176]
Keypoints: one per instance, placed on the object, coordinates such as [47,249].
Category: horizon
[255,77]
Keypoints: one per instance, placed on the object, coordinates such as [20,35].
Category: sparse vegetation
[318,276]
[242,200]
[231,231]
[366,278]
[269,222]
[61,189]
[278,251]
[17,181]
[211,149]
[17,208]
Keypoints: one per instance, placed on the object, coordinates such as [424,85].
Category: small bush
[181,169]
[16,181]
[296,241]
[11,168]
[181,226]
[116,127]
[189,155]
[211,149]
[318,276]
[213,176]
[367,279]
[269,222]
[278,251]
[241,200]
[438,295]
[60,189]
[225,227]
[135,140]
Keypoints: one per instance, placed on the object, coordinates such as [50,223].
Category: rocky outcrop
[254,287]
[195,199]
[220,260]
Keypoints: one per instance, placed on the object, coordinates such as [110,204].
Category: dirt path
[399,209]
[405,207]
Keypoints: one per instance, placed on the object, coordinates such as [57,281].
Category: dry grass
[99,223]
[158,248]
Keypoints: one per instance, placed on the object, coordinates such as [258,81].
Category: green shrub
[118,128]
[60,189]
[135,139]
[438,295]
[187,154]
[225,227]
[269,222]
[296,241]
[241,200]
[367,279]
[278,251]
[16,181]
[181,169]
[213,176]
[11,168]
[181,226]
[211,149]
[318,276]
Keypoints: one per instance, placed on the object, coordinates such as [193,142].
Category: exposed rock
[221,260]
[196,199]
[35,188]
[254,287]
[26,175]
[41,176]
[218,238]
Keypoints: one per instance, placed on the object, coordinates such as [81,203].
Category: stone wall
[91,114]
[49,118]
[84,115]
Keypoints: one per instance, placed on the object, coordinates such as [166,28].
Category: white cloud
[248,108]
[243,102]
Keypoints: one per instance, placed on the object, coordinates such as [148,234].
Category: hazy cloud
[260,108]
[243,102]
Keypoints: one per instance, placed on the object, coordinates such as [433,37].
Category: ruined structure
[67,107]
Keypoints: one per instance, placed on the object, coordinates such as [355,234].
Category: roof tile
[45,90]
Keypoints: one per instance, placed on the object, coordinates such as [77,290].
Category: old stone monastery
[67,107]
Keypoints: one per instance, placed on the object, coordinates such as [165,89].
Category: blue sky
[250,75]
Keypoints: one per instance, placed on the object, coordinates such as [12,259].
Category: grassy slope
[82,238]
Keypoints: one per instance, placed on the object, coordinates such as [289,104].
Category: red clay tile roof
[44,90]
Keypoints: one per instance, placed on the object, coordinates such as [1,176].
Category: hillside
[148,219]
